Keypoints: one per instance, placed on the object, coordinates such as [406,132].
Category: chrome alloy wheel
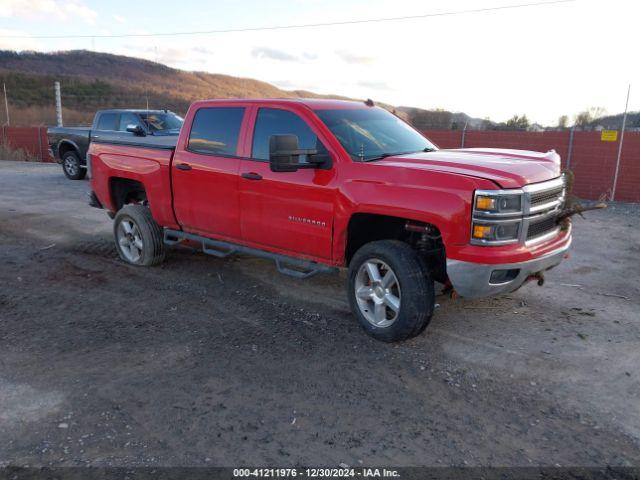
[377,292]
[71,166]
[130,240]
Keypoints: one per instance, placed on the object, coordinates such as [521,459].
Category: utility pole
[624,123]
[56,86]
[6,103]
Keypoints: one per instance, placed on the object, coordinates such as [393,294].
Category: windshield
[373,133]
[161,122]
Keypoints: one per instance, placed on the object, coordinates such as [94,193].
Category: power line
[304,25]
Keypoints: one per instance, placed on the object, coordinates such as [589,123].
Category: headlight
[497,217]
[495,232]
[498,203]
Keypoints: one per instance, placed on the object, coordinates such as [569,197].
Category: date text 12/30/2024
[315,473]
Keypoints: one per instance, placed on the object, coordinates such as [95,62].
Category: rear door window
[215,131]
[107,121]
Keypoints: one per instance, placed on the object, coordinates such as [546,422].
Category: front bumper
[93,200]
[474,280]
[53,153]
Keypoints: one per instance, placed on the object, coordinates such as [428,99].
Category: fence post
[40,144]
[56,87]
[464,133]
[570,149]
[6,103]
[624,123]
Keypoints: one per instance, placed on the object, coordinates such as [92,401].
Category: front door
[205,174]
[290,212]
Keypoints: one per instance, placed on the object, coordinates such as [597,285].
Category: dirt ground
[206,361]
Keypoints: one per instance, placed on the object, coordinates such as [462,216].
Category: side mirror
[136,130]
[284,154]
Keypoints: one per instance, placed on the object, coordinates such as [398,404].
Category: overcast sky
[543,61]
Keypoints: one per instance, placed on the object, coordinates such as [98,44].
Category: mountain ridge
[94,80]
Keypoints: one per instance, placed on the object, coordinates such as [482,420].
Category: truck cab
[319,185]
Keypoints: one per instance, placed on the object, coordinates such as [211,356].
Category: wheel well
[125,191]
[65,147]
[425,238]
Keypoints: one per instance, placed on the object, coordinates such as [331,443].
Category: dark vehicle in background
[69,145]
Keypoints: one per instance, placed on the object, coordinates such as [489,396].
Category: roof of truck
[313,103]
[132,110]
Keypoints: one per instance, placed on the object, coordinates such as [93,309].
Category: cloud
[354,58]
[17,43]
[290,85]
[373,85]
[273,54]
[171,56]
[119,18]
[57,9]
[204,50]
[167,56]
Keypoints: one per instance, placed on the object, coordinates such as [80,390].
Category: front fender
[441,199]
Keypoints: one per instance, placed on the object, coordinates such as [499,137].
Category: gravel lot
[204,361]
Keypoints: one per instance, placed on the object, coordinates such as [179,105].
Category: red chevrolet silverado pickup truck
[317,185]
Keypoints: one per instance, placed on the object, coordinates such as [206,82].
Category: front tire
[72,167]
[390,291]
[138,237]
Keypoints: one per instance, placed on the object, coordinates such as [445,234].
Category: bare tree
[517,123]
[486,124]
[588,116]
[563,121]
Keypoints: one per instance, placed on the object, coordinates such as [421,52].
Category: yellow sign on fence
[609,135]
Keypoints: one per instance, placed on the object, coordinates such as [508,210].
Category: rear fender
[65,145]
[149,166]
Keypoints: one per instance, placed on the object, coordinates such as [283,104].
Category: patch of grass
[17,154]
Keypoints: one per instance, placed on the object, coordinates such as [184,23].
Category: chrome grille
[543,202]
[541,227]
[546,196]
[543,197]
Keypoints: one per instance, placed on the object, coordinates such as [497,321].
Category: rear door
[290,212]
[106,126]
[112,127]
[205,173]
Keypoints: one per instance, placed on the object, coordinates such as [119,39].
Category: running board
[293,267]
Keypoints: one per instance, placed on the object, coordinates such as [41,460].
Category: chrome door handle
[251,176]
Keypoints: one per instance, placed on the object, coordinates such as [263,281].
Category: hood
[506,168]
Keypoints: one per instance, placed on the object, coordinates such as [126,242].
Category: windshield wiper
[388,154]
[385,155]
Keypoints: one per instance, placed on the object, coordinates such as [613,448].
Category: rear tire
[138,237]
[390,291]
[72,167]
